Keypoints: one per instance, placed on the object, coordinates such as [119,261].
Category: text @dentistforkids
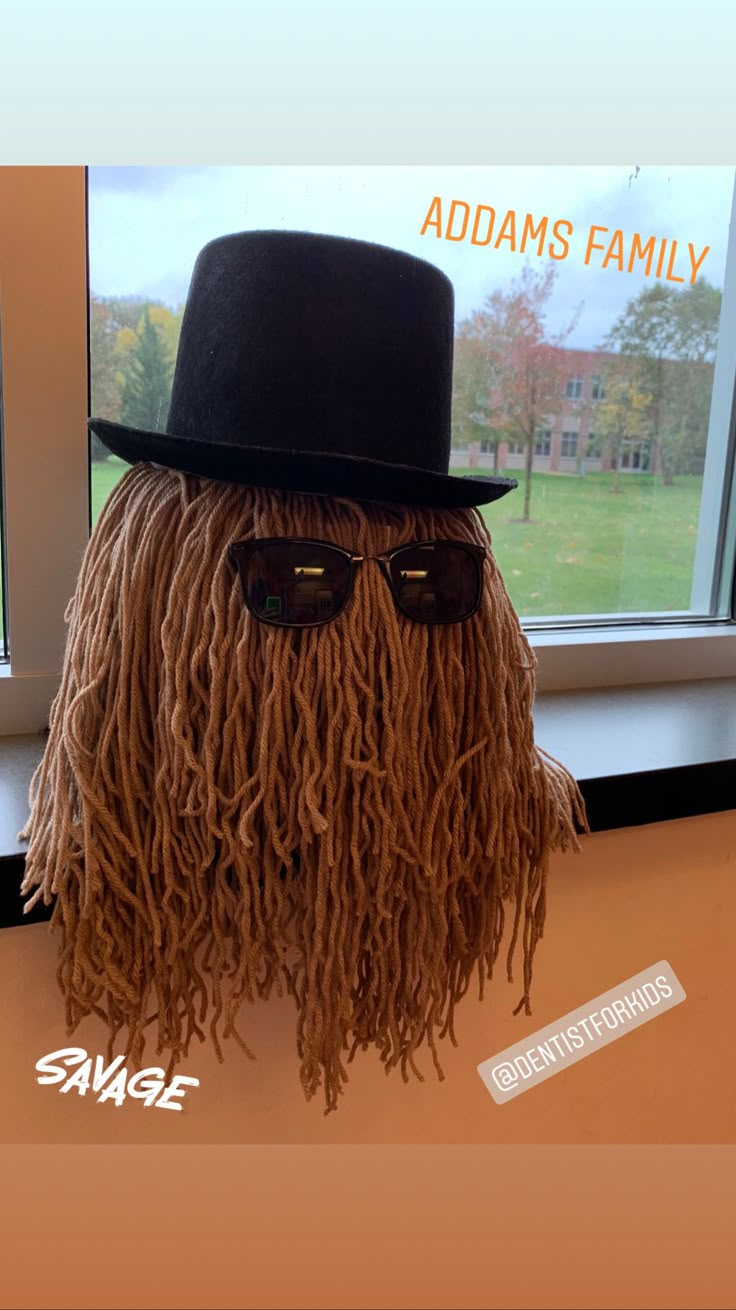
[562,1043]
[483,226]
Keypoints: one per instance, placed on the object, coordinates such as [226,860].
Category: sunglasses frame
[244,549]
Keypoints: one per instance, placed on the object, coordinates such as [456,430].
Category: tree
[670,337]
[622,414]
[106,392]
[168,324]
[471,412]
[147,386]
[690,379]
[116,327]
[524,366]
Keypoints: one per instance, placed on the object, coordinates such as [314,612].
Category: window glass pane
[614,300]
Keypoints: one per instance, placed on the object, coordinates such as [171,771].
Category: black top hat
[313,363]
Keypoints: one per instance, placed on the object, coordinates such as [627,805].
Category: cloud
[127,179]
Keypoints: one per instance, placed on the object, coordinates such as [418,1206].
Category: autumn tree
[105,390]
[669,337]
[697,312]
[147,386]
[472,419]
[116,324]
[524,365]
[624,412]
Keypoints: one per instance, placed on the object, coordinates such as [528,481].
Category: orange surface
[631,898]
[457,1227]
[318,1225]
[323,1224]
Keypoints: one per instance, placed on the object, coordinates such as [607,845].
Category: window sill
[648,753]
[641,754]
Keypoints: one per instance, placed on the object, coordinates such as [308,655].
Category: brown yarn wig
[224,807]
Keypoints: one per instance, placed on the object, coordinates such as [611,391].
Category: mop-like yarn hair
[224,808]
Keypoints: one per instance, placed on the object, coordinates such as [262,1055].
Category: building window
[597,390]
[635,455]
[574,387]
[569,446]
[543,444]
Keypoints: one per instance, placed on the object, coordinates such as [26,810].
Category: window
[664,581]
[635,455]
[162,221]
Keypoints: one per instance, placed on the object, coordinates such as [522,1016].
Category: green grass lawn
[105,474]
[585,551]
[590,551]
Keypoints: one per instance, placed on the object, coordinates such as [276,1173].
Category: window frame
[43,282]
[44,271]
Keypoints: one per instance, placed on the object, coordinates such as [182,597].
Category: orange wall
[631,898]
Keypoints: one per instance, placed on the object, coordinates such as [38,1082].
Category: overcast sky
[147,224]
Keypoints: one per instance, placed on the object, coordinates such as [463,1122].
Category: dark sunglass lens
[294,583]
[436,583]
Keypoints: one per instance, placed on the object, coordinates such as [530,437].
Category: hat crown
[308,342]
[315,364]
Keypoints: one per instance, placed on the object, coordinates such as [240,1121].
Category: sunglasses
[300,582]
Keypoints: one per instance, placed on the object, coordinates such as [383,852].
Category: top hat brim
[314,472]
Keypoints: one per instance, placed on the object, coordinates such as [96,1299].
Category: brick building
[565,438]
